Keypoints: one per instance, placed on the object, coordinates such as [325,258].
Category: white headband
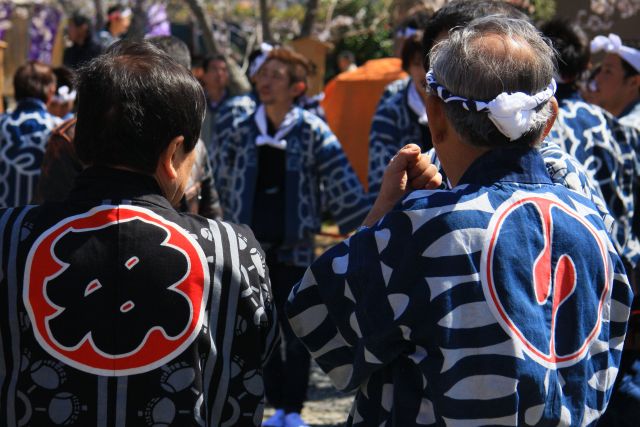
[64,94]
[613,44]
[265,48]
[512,113]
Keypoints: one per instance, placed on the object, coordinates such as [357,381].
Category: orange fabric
[350,101]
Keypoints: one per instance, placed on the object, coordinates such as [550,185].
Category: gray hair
[469,68]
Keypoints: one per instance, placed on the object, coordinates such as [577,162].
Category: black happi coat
[115,310]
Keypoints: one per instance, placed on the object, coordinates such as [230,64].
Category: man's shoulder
[391,106]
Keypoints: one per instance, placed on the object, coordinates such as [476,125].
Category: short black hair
[417,20]
[571,45]
[132,101]
[209,59]
[115,8]
[347,54]
[175,48]
[64,76]
[410,48]
[33,80]
[459,13]
[79,19]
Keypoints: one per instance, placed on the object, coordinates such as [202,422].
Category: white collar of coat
[416,104]
[276,141]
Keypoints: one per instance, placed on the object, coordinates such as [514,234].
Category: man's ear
[438,125]
[51,91]
[299,88]
[171,158]
[553,103]
[634,81]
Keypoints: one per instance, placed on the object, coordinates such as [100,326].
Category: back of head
[34,80]
[175,48]
[571,45]
[348,55]
[79,19]
[489,57]
[459,13]
[64,76]
[132,101]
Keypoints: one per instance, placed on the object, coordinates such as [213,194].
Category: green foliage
[293,12]
[365,46]
[544,9]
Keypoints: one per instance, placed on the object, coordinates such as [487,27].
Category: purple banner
[42,32]
[158,21]
[5,16]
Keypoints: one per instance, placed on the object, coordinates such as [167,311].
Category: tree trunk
[265,20]
[99,14]
[309,18]
[238,82]
[138,22]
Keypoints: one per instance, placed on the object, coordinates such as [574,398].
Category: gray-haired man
[501,301]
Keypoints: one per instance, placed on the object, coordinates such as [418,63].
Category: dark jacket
[117,310]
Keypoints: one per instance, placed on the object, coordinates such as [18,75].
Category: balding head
[490,56]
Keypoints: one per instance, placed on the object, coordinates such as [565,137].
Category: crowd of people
[487,275]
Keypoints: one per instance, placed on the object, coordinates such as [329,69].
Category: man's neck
[620,105]
[626,108]
[277,112]
[215,94]
[456,157]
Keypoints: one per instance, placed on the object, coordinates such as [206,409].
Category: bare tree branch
[238,82]
[139,21]
[309,18]
[265,20]
[99,14]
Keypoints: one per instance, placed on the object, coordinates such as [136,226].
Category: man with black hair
[63,101]
[118,23]
[346,61]
[115,308]
[61,165]
[618,80]
[83,47]
[279,171]
[215,80]
[24,133]
[401,119]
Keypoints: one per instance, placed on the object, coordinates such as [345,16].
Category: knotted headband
[512,113]
[613,44]
[265,48]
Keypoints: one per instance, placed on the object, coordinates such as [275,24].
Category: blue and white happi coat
[392,88]
[564,169]
[631,116]
[232,111]
[235,109]
[319,179]
[394,125]
[23,137]
[606,150]
[499,302]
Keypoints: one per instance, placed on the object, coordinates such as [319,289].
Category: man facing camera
[500,301]
[115,308]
